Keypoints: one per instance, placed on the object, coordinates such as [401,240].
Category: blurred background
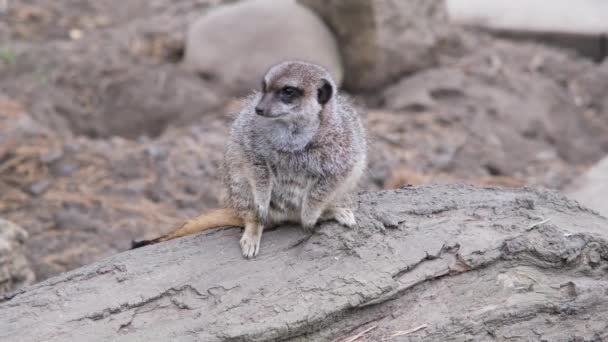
[113,114]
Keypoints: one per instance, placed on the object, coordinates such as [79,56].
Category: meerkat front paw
[250,245]
[343,216]
[250,241]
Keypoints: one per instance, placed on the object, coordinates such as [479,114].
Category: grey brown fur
[296,150]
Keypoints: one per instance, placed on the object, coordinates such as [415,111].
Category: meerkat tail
[212,219]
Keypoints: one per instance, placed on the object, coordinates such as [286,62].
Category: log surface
[430,263]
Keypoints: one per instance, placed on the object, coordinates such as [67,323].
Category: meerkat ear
[325,92]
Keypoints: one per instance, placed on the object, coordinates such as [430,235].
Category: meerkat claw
[250,245]
[344,217]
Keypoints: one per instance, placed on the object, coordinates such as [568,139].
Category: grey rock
[506,109]
[39,187]
[51,156]
[235,44]
[15,270]
[143,103]
[591,189]
[63,168]
[382,40]
[458,263]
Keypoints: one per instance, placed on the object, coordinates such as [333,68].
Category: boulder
[382,40]
[591,189]
[15,271]
[488,107]
[146,103]
[430,263]
[236,43]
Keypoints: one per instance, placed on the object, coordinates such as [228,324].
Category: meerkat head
[295,90]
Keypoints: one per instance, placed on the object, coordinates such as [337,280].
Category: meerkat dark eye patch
[288,94]
[325,92]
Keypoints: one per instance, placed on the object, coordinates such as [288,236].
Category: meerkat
[296,152]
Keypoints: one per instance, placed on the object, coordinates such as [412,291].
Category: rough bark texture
[457,262]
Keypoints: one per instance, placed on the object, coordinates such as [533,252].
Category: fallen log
[429,263]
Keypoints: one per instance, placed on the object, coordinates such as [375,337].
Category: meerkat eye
[287,94]
[288,91]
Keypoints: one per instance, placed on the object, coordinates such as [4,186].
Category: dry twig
[359,335]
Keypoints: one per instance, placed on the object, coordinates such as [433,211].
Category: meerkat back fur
[296,151]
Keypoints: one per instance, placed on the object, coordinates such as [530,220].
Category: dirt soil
[104,138]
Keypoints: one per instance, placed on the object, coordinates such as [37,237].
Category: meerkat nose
[259,111]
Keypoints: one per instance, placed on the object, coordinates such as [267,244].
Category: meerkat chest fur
[288,193]
[299,152]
